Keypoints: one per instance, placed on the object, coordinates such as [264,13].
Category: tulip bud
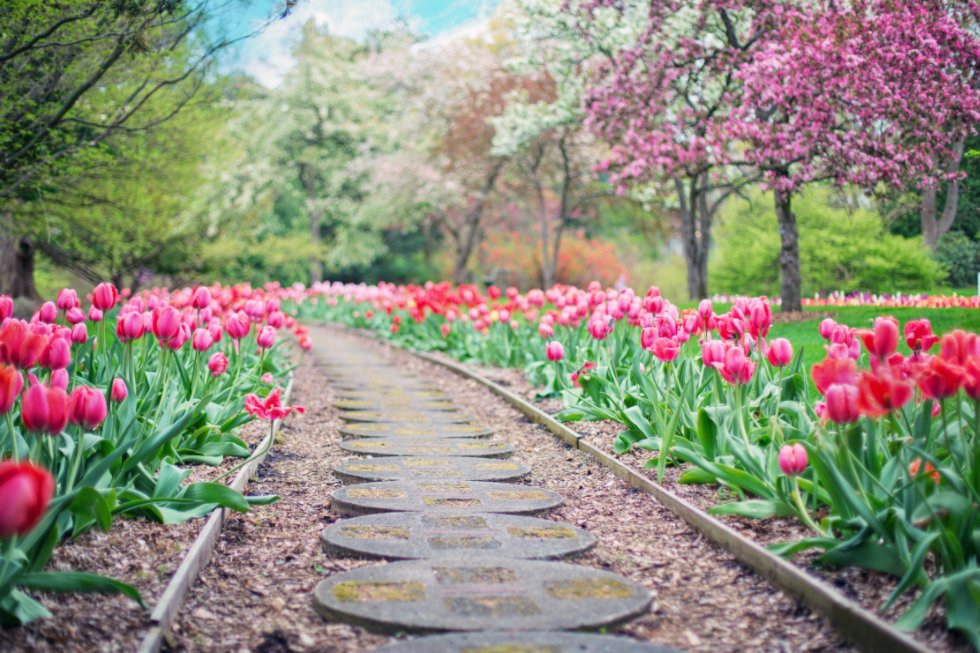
[780,352]
[44,409]
[11,383]
[554,351]
[119,390]
[59,379]
[201,298]
[79,334]
[827,326]
[25,491]
[75,315]
[266,337]
[705,309]
[105,296]
[237,325]
[68,299]
[94,314]
[792,459]
[6,307]
[86,407]
[202,340]
[130,326]
[57,355]
[218,363]
[842,403]
[166,323]
[48,312]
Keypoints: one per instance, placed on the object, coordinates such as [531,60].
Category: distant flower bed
[897,300]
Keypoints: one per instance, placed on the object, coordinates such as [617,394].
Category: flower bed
[106,409]
[876,456]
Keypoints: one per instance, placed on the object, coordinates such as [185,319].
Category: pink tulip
[705,309]
[130,326]
[6,307]
[713,352]
[201,298]
[86,407]
[57,355]
[780,352]
[68,299]
[266,337]
[105,296]
[218,363]
[237,325]
[841,403]
[44,409]
[665,349]
[59,379]
[827,327]
[48,312]
[95,315]
[75,315]
[202,340]
[554,351]
[736,368]
[792,459]
[119,390]
[183,335]
[79,334]
[165,323]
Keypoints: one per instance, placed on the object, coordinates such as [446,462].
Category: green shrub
[840,249]
[960,256]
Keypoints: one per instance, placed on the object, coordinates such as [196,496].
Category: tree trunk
[16,262]
[471,227]
[316,265]
[693,237]
[933,227]
[789,254]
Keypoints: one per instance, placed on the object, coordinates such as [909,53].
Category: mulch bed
[869,588]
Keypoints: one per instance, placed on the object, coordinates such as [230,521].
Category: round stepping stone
[442,497]
[553,642]
[411,535]
[410,430]
[376,404]
[427,447]
[410,468]
[484,593]
[406,395]
[409,416]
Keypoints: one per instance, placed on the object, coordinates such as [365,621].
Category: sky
[266,57]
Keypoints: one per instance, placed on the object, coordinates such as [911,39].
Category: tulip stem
[804,514]
[13,437]
[255,454]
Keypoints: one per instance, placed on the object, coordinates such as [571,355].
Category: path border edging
[199,554]
[861,627]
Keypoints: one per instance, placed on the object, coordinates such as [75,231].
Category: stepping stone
[482,594]
[427,447]
[553,642]
[391,403]
[406,395]
[441,497]
[412,430]
[410,468]
[410,416]
[410,535]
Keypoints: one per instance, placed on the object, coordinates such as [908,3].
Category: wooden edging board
[165,612]
[863,628]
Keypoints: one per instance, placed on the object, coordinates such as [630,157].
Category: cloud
[268,58]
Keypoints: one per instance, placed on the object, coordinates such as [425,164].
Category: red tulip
[218,363]
[271,408]
[841,401]
[938,379]
[780,352]
[882,340]
[833,371]
[11,383]
[582,371]
[21,344]
[971,378]
[266,337]
[25,490]
[881,393]
[959,346]
[554,351]
[86,407]
[68,299]
[105,296]
[119,390]
[915,469]
[919,336]
[44,409]
[792,459]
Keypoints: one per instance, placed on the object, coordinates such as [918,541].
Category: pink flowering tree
[866,93]
[663,99]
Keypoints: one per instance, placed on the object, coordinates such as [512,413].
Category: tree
[868,93]
[57,59]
